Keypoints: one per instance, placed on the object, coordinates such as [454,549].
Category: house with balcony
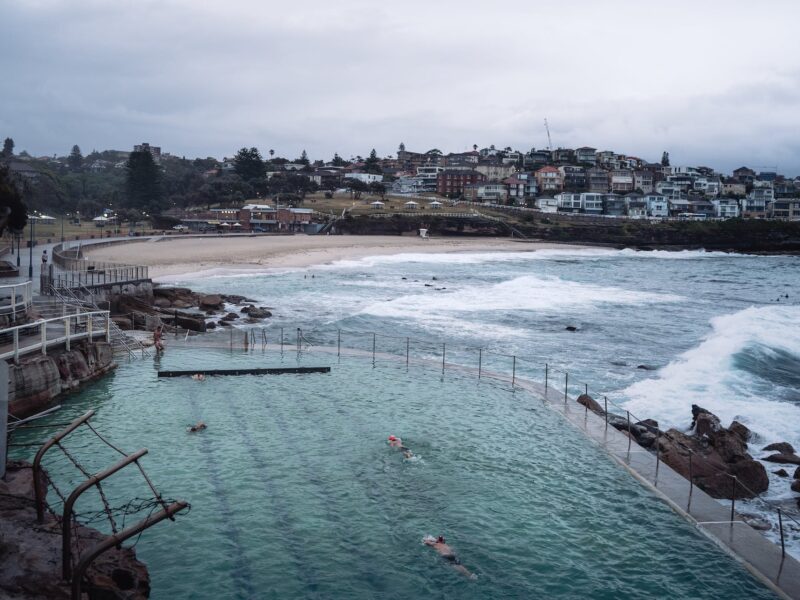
[635,206]
[709,187]
[678,207]
[492,192]
[614,205]
[726,208]
[621,181]
[564,156]
[516,190]
[607,159]
[495,170]
[657,205]
[569,202]
[732,187]
[428,175]
[703,207]
[754,206]
[643,181]
[586,156]
[592,203]
[744,175]
[785,208]
[536,158]
[549,179]
[546,205]
[597,181]
[574,178]
[669,189]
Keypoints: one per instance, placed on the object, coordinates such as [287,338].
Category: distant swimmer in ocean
[396,442]
[199,377]
[440,545]
[199,426]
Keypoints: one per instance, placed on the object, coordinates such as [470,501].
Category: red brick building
[451,183]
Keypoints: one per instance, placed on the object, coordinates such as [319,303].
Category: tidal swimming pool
[296,494]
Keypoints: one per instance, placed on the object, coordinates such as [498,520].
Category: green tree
[338,161]
[75,158]
[665,159]
[249,164]
[13,212]
[373,163]
[8,148]
[143,183]
[304,158]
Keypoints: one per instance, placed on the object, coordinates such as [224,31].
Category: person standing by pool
[440,545]
[157,335]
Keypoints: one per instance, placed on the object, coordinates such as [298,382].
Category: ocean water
[714,329]
[296,494]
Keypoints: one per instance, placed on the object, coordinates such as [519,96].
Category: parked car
[181,228]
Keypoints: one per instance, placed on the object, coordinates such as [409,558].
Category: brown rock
[230,317]
[780,447]
[741,430]
[797,473]
[796,485]
[584,400]
[789,459]
[782,472]
[162,302]
[211,301]
[707,423]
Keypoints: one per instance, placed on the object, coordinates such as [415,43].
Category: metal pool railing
[16,298]
[555,383]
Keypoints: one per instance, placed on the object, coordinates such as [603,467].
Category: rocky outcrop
[30,553]
[38,380]
[718,455]
[786,459]
[780,447]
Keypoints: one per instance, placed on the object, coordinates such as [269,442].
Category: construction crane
[547,129]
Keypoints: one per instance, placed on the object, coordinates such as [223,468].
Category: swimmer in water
[199,426]
[440,545]
[396,442]
[199,377]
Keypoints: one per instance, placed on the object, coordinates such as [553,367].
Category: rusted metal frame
[38,492]
[66,520]
[116,540]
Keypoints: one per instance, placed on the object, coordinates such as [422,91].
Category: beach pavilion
[411,205]
[435,205]
[377,205]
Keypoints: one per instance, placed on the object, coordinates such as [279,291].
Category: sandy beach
[171,257]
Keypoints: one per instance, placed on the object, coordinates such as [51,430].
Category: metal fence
[542,377]
[16,298]
[40,335]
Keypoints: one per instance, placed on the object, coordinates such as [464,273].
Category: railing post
[566,384]
[658,450]
[16,345]
[691,483]
[338,342]
[67,332]
[108,328]
[89,327]
[374,336]
[780,527]
[546,374]
[733,499]
[297,337]
[628,413]
[43,327]
[513,370]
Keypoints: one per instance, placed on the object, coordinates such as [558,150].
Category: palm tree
[271,153]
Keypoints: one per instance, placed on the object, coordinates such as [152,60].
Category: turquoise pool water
[295,493]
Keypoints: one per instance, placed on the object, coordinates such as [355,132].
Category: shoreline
[172,258]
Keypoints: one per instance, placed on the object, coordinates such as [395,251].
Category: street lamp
[30,264]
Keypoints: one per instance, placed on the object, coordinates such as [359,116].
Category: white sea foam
[525,293]
[707,375]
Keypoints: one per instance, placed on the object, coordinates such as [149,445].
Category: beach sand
[171,256]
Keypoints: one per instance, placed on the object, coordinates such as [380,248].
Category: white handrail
[8,298]
[40,341]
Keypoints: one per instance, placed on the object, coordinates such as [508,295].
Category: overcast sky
[714,82]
